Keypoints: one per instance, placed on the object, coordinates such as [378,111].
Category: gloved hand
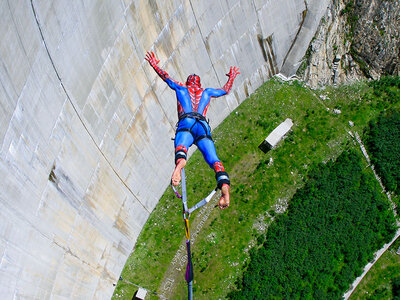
[233,72]
[151,58]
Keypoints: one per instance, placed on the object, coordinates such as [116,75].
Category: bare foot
[224,201]
[176,175]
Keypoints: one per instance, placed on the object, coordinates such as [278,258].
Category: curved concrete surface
[86,126]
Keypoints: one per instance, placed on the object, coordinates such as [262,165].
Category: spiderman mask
[193,80]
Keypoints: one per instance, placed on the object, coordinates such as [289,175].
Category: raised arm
[153,61]
[234,71]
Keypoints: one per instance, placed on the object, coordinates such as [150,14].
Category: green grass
[220,250]
[327,235]
[377,284]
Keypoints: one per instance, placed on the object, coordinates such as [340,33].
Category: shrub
[319,246]
[382,139]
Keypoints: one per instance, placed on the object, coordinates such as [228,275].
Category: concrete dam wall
[86,125]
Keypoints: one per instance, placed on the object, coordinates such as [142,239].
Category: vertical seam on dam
[147,77]
[205,45]
[304,14]
[131,36]
[76,111]
[258,18]
[1,60]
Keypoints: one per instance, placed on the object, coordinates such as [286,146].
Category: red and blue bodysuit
[192,127]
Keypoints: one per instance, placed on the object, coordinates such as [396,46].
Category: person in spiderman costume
[192,127]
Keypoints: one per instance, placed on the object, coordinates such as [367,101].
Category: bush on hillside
[331,229]
[382,139]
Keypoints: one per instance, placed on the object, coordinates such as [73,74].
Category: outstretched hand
[151,58]
[234,71]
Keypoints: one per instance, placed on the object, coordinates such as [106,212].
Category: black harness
[198,117]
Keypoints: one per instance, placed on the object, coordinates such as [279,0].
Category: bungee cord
[189,274]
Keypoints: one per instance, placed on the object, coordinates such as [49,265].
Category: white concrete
[276,135]
[141,293]
[85,123]
[279,132]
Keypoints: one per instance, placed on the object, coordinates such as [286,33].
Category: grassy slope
[220,249]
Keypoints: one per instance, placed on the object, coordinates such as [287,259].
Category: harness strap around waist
[193,115]
[198,117]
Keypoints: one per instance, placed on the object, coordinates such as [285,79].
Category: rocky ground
[356,39]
